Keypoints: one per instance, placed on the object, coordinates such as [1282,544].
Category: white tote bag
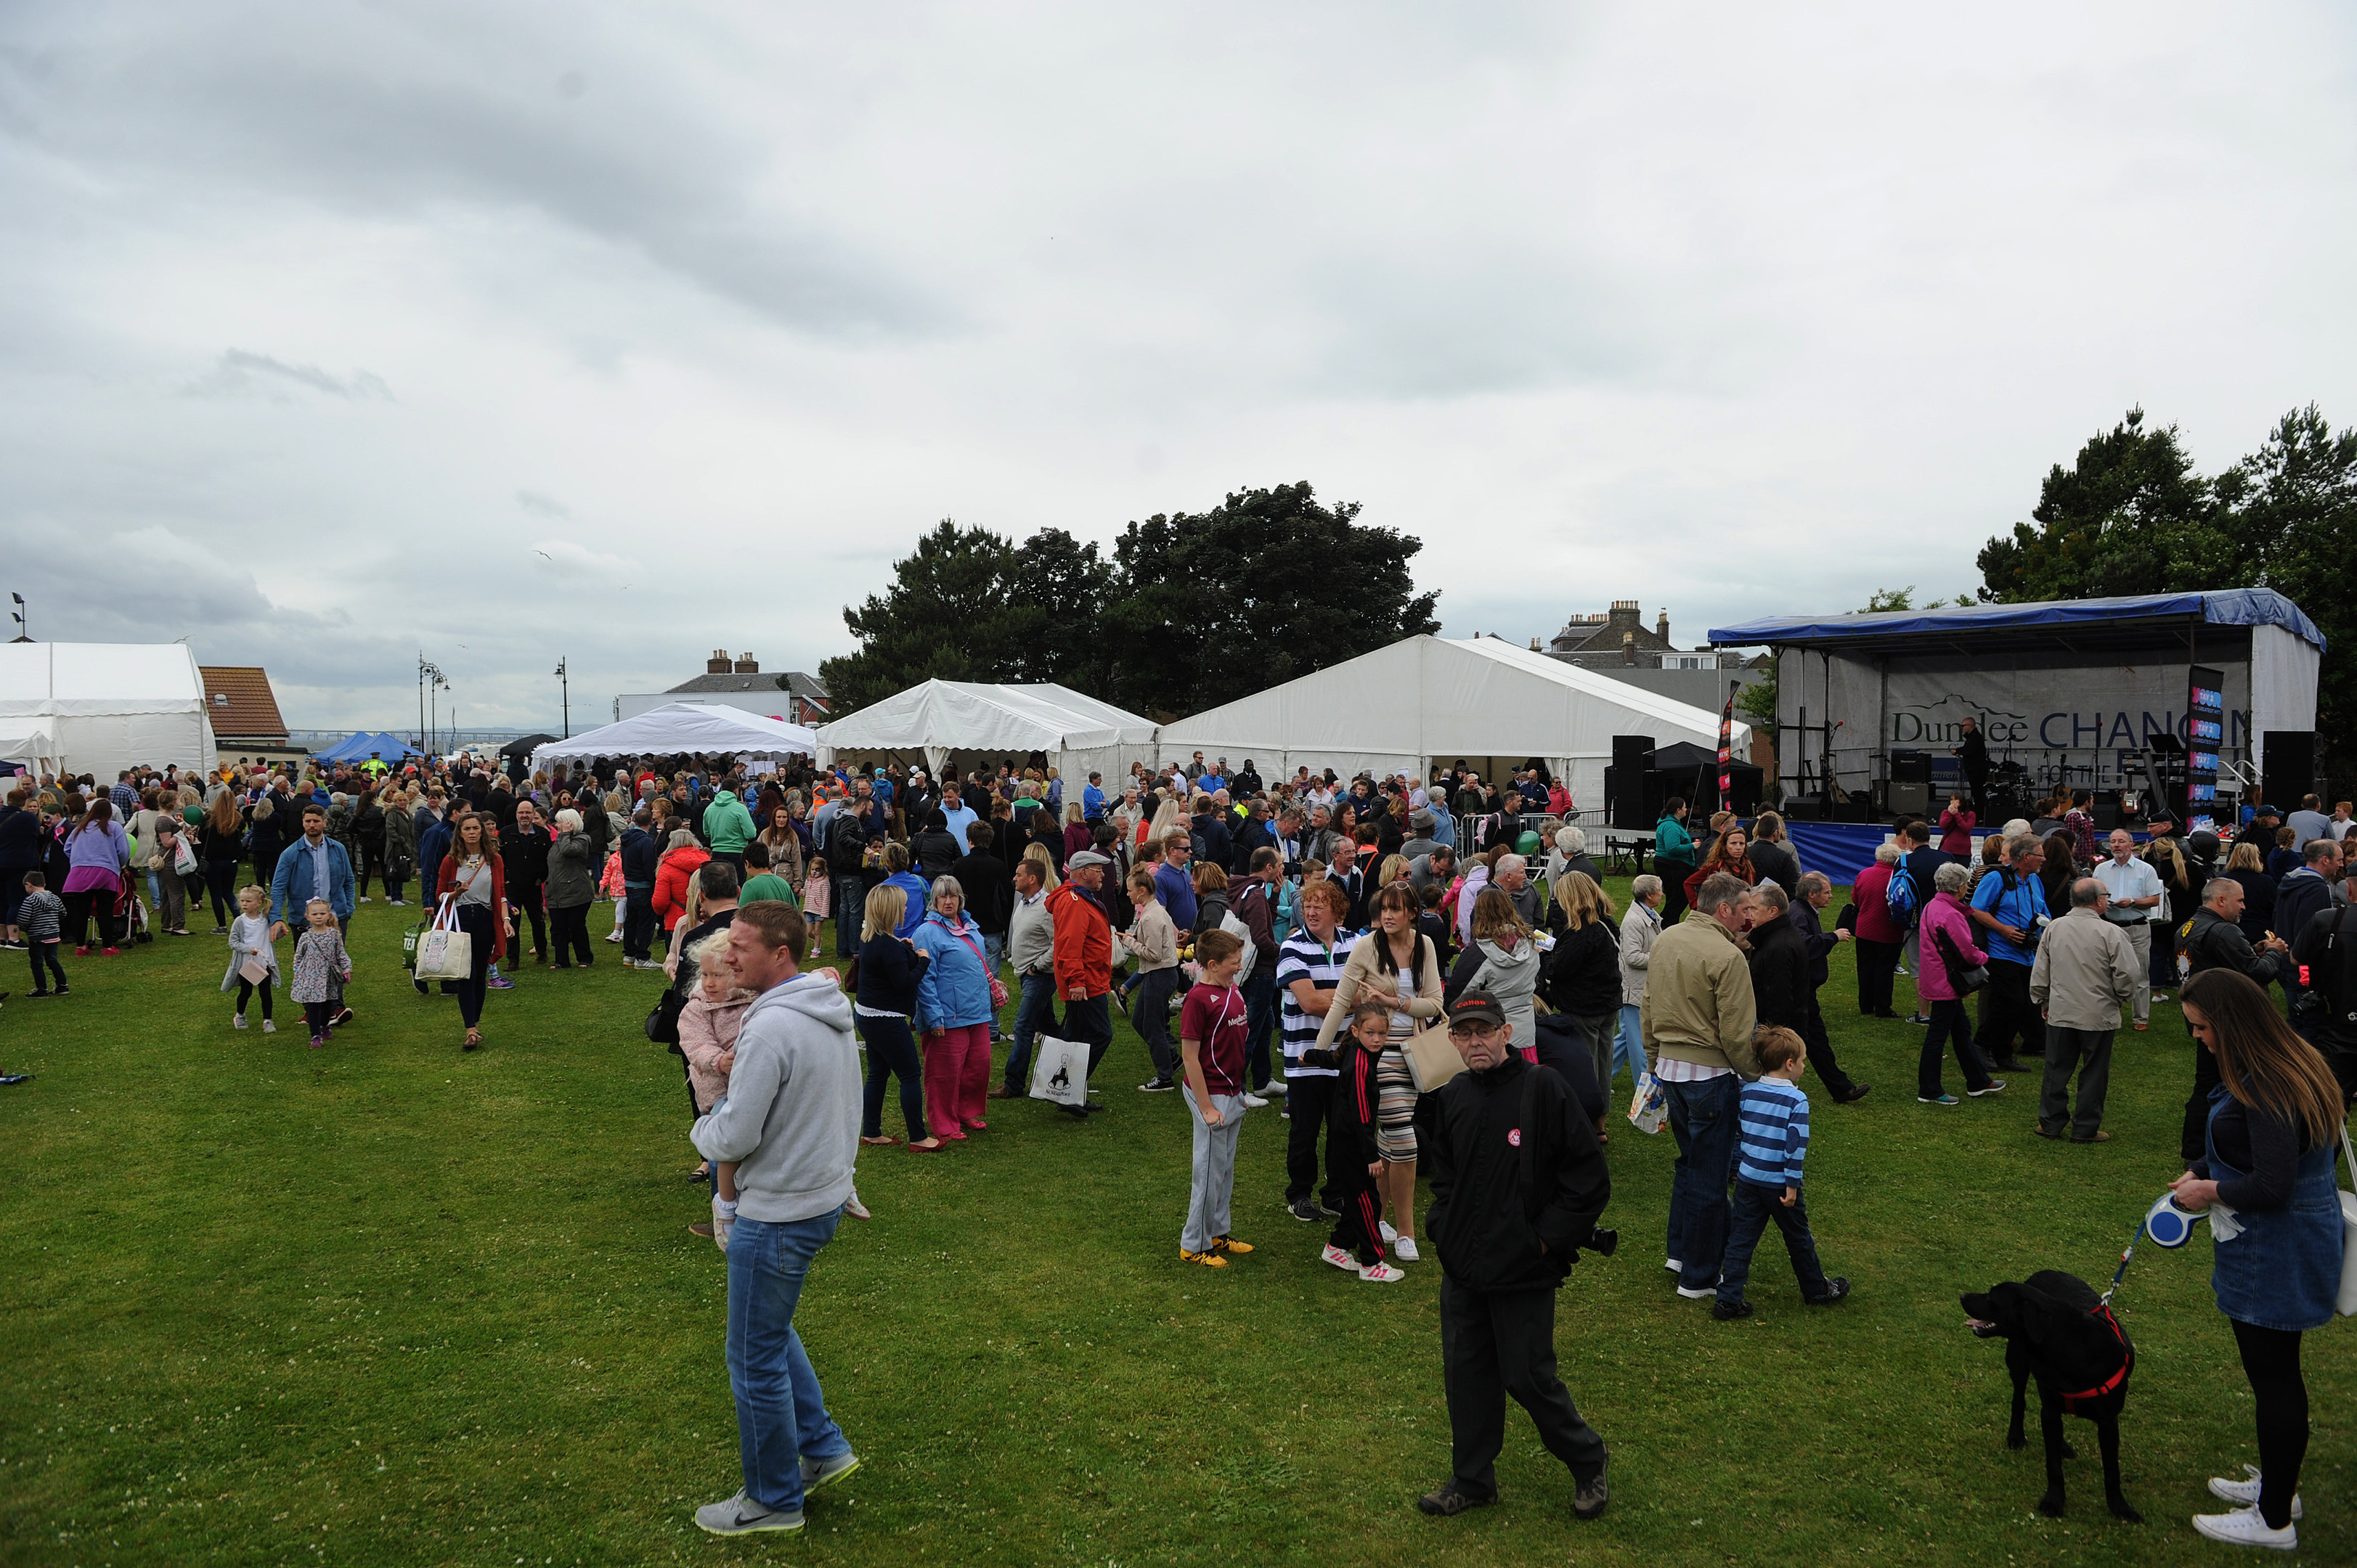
[1648,1107]
[1059,1071]
[446,952]
[2347,1300]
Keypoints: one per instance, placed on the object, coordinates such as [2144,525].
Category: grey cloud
[540,505]
[238,374]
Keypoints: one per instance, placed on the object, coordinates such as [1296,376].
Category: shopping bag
[446,952]
[184,858]
[409,940]
[2346,1300]
[1647,1107]
[254,971]
[1432,1057]
[1059,1071]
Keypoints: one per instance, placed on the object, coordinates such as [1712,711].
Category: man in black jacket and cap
[1796,956]
[1518,1183]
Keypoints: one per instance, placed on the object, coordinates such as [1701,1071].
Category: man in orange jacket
[1084,949]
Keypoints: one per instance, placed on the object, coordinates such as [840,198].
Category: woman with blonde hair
[1037,855]
[2266,1168]
[1582,975]
[891,968]
[1393,869]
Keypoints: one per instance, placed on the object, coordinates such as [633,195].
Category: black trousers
[1309,1101]
[2278,1392]
[1877,964]
[2008,1014]
[1673,874]
[571,928]
[220,881]
[525,904]
[1820,1053]
[1090,1023]
[1497,1343]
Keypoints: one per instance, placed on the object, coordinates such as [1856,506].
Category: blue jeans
[993,959]
[1702,1119]
[781,1416]
[1032,1012]
[1628,1047]
[1754,1205]
[850,911]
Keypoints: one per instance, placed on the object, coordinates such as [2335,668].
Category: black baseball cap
[1477,1008]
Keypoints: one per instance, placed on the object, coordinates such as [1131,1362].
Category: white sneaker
[364,898]
[1404,1250]
[615,937]
[269,1027]
[2246,1492]
[1381,1274]
[1674,1266]
[857,1209]
[724,1219]
[1389,1235]
[1703,1293]
[1339,1259]
[1253,1102]
[2244,1527]
[237,1021]
[1274,1086]
[1900,970]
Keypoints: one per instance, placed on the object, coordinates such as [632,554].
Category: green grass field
[386,1303]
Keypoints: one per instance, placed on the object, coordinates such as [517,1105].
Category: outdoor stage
[2096,694]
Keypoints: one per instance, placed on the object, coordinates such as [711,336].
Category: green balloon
[1528,843]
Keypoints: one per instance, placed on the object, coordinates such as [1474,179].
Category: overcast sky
[331,332]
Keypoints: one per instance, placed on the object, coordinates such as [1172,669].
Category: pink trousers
[957,1078]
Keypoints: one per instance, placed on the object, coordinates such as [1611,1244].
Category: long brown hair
[100,813]
[223,818]
[2260,1060]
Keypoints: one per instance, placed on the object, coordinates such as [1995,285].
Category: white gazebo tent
[26,744]
[943,720]
[1427,701]
[707,728]
[105,707]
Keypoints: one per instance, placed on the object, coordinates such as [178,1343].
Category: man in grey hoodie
[791,1121]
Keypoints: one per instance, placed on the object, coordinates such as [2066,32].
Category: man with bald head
[2086,971]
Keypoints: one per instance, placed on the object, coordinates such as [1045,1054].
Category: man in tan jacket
[1696,1023]
[2087,970]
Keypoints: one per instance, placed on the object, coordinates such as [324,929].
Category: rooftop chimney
[718,663]
[1534,645]
[747,666]
[1662,626]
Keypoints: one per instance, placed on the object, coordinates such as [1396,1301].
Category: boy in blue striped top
[1772,1133]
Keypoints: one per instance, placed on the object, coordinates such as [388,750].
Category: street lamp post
[429,681]
[566,686]
[24,633]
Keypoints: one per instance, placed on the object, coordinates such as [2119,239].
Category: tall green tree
[2129,517]
[1268,585]
[2132,517]
[1192,609]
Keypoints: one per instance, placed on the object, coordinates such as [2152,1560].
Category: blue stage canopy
[2228,606]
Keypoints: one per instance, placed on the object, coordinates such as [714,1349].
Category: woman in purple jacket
[1948,949]
[96,852]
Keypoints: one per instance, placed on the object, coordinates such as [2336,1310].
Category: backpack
[1903,897]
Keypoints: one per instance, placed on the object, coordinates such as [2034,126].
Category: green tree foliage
[1192,609]
[1883,599]
[2132,517]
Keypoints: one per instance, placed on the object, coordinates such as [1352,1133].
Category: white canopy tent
[970,722]
[105,706]
[26,744]
[1429,700]
[677,727]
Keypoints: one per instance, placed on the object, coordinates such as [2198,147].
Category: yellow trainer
[1209,1259]
[1230,1244]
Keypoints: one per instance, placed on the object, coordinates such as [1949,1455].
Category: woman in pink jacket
[1880,934]
[1948,950]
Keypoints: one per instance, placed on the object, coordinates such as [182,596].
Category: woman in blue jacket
[890,969]
[2275,1119]
[955,997]
[1674,858]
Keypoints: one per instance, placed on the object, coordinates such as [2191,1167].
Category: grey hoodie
[792,1117]
[1511,977]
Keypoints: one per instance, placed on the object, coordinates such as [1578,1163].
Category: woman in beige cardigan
[1394,963]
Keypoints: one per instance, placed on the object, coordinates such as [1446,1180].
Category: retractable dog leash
[2166,1224]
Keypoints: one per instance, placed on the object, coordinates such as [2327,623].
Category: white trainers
[2246,1492]
[1404,1250]
[614,936]
[1339,1259]
[1381,1274]
[1274,1086]
[857,1209]
[1703,1294]
[724,1219]
[1674,1266]
[2244,1527]
[268,1027]
[237,1021]
[1253,1102]
[1389,1235]
[364,898]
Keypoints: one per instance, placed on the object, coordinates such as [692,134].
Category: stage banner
[1727,750]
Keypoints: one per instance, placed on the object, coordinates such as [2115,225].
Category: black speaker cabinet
[1911,768]
[1909,798]
[2287,767]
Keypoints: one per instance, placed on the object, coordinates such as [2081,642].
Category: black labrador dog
[2058,1330]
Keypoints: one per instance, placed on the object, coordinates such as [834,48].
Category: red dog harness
[2126,1359]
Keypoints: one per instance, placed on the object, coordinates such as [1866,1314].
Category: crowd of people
[1286,944]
